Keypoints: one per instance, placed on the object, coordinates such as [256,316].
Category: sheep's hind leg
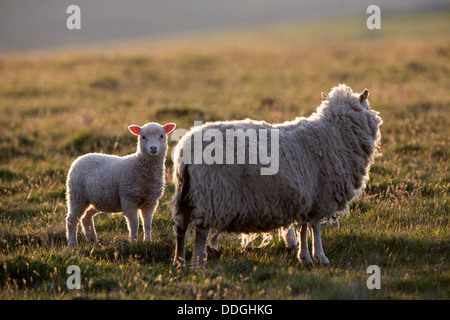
[87,223]
[303,253]
[73,215]
[318,253]
[199,255]
[182,218]
[146,217]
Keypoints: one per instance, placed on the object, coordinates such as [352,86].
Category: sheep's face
[152,138]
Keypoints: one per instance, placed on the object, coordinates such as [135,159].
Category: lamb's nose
[153,149]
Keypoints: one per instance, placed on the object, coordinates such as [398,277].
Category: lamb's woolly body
[324,162]
[106,183]
[132,177]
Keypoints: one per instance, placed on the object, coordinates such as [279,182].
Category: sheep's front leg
[199,255]
[303,253]
[129,210]
[318,253]
[147,216]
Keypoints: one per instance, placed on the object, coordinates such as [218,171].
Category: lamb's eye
[162,136]
[144,138]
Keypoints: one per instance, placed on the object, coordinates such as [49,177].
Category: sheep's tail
[180,179]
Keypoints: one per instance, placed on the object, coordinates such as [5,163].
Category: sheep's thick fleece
[324,161]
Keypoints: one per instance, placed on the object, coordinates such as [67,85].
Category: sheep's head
[342,103]
[343,95]
[152,138]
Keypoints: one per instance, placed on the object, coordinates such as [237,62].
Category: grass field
[55,106]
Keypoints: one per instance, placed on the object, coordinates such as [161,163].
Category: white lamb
[288,236]
[105,183]
[323,163]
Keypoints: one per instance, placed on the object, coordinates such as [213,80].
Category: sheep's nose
[153,149]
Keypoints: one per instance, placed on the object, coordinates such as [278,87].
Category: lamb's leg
[147,216]
[318,253]
[303,253]
[213,241]
[246,242]
[129,210]
[182,218]
[289,238]
[87,223]
[199,255]
[73,215]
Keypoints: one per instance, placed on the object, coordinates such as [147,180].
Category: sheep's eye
[143,137]
[162,136]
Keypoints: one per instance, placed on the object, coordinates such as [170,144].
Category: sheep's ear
[324,96]
[169,127]
[134,129]
[363,96]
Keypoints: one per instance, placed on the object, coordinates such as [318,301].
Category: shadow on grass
[353,250]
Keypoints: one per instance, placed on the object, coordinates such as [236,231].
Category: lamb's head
[152,138]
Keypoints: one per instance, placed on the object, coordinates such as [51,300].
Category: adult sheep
[99,182]
[323,163]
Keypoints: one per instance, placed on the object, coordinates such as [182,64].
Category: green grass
[56,106]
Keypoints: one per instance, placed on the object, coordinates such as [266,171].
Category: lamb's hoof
[72,244]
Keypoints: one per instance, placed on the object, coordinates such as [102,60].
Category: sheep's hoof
[198,264]
[293,248]
[91,240]
[195,267]
[306,261]
[179,263]
[322,261]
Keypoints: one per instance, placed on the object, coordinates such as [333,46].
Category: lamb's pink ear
[169,127]
[363,96]
[134,129]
